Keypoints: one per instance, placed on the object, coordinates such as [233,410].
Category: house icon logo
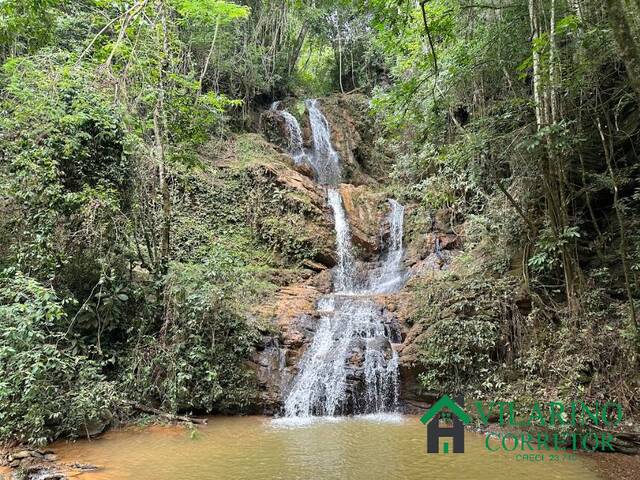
[450,413]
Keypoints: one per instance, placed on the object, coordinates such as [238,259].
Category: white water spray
[391,275]
[344,277]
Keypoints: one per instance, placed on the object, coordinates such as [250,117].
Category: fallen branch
[169,416]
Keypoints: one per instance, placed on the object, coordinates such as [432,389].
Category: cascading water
[324,159]
[390,276]
[328,382]
[350,366]
[296,146]
[344,276]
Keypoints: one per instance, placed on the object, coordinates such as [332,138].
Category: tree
[208,13]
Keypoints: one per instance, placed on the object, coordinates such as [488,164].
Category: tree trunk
[553,176]
[293,59]
[340,58]
[209,55]
[160,132]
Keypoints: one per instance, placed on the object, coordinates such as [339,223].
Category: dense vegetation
[129,264]
[524,123]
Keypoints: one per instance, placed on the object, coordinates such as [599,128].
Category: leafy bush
[45,390]
[468,334]
[56,115]
[197,363]
[65,171]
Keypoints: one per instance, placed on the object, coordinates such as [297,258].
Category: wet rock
[49,476]
[85,467]
[433,264]
[322,281]
[380,343]
[51,457]
[438,241]
[315,266]
[269,364]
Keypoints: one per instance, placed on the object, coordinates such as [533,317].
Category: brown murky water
[380,447]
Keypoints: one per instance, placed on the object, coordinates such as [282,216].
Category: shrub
[45,389]
[197,360]
[470,332]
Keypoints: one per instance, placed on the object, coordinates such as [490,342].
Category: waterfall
[328,384]
[391,275]
[296,146]
[346,265]
[324,159]
[350,365]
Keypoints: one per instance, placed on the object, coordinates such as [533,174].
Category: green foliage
[467,325]
[196,364]
[25,24]
[45,392]
[78,129]
[286,232]
[547,255]
[66,161]
[211,11]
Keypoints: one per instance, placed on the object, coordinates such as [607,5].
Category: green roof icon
[445,402]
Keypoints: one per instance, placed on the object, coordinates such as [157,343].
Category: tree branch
[426,28]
